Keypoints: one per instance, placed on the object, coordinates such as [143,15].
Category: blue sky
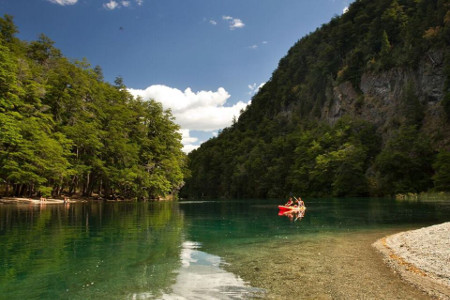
[204,59]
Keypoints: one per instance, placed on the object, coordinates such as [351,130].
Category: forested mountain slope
[63,129]
[359,107]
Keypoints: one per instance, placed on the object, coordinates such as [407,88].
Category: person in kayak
[290,202]
[300,202]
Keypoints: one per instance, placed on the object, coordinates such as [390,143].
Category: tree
[413,110]
[404,165]
[63,129]
[441,166]
[7,28]
[42,49]
[349,179]
[385,45]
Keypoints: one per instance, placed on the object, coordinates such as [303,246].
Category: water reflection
[89,251]
[293,215]
[129,250]
[201,277]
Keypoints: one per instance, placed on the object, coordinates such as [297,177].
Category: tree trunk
[91,186]
[22,190]
[7,189]
[107,191]
[15,190]
[59,188]
[86,186]
[31,190]
[73,185]
[100,187]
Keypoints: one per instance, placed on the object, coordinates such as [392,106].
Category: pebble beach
[421,257]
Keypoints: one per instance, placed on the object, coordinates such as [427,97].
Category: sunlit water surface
[237,249]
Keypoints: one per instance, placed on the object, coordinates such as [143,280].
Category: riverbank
[18,200]
[8,200]
[421,257]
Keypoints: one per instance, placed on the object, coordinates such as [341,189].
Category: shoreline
[23,200]
[14,200]
[421,257]
[330,265]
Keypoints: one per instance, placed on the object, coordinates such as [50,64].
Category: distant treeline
[282,143]
[63,129]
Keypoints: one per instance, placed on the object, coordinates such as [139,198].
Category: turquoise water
[179,250]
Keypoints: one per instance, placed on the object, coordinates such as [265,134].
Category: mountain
[359,107]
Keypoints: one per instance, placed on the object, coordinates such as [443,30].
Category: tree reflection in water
[93,250]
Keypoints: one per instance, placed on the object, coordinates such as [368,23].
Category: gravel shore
[421,257]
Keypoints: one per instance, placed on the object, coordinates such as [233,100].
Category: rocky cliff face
[382,95]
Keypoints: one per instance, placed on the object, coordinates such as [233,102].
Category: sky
[203,59]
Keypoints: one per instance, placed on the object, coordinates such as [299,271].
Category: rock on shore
[421,257]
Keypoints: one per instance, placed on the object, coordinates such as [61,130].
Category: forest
[286,142]
[65,131]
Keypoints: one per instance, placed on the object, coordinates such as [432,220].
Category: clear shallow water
[201,249]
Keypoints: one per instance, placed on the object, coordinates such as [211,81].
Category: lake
[235,249]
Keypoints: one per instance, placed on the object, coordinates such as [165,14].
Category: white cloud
[64,2]
[111,5]
[212,22]
[189,147]
[202,111]
[189,142]
[254,88]
[345,10]
[233,22]
[237,23]
[255,46]
[209,118]
[186,138]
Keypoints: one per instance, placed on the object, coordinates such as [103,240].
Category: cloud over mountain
[202,111]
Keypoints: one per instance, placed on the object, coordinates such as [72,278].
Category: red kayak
[284,208]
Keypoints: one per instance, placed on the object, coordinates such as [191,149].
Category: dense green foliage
[281,143]
[63,129]
[442,167]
